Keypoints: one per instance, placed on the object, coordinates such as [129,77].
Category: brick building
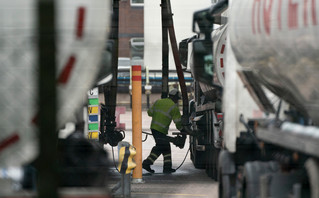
[131,28]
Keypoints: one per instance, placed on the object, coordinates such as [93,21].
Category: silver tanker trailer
[272,47]
[259,72]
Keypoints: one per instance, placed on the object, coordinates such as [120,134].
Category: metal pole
[137,120]
[165,50]
[130,88]
[147,91]
[47,183]
[148,101]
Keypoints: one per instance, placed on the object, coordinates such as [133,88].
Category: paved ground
[186,182]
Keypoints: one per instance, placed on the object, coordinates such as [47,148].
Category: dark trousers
[163,147]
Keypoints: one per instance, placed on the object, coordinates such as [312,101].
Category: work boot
[168,170]
[147,167]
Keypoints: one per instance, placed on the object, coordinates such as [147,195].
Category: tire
[215,163]
[197,157]
[212,151]
[227,186]
[199,160]
[312,167]
[252,172]
[212,162]
[243,191]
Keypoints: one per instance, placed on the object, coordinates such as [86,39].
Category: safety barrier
[126,164]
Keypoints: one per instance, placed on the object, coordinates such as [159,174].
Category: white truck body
[236,101]
[82,28]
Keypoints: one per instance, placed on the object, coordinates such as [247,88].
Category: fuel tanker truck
[205,110]
[256,112]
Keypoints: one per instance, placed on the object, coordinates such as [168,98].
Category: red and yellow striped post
[137,120]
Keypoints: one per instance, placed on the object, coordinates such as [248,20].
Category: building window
[137,51]
[137,2]
[137,48]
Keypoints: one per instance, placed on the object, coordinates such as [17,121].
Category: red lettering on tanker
[279,14]
[305,13]
[262,12]
[266,15]
[256,8]
[267,12]
[292,15]
[313,12]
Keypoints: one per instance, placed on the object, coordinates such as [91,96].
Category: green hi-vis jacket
[163,112]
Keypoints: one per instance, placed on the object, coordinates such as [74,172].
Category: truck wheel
[212,162]
[227,186]
[312,167]
[199,160]
[197,157]
[251,177]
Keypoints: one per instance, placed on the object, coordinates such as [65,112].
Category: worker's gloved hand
[179,141]
[187,132]
[183,131]
[175,141]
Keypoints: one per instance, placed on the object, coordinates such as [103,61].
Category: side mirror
[218,8]
[106,64]
[203,67]
[203,22]
[183,52]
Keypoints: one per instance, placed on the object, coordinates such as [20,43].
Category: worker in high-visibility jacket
[163,111]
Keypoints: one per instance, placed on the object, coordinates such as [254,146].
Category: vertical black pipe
[47,184]
[178,65]
[148,101]
[110,91]
[164,50]
[115,37]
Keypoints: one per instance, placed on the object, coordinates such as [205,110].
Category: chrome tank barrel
[279,42]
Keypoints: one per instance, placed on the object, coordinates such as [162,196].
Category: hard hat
[175,93]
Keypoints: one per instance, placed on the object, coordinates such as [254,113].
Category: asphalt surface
[187,181]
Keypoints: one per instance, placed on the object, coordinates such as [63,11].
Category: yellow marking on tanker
[170,194]
[93,135]
[93,110]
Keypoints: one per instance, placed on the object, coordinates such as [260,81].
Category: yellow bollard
[126,161]
[125,166]
[137,120]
